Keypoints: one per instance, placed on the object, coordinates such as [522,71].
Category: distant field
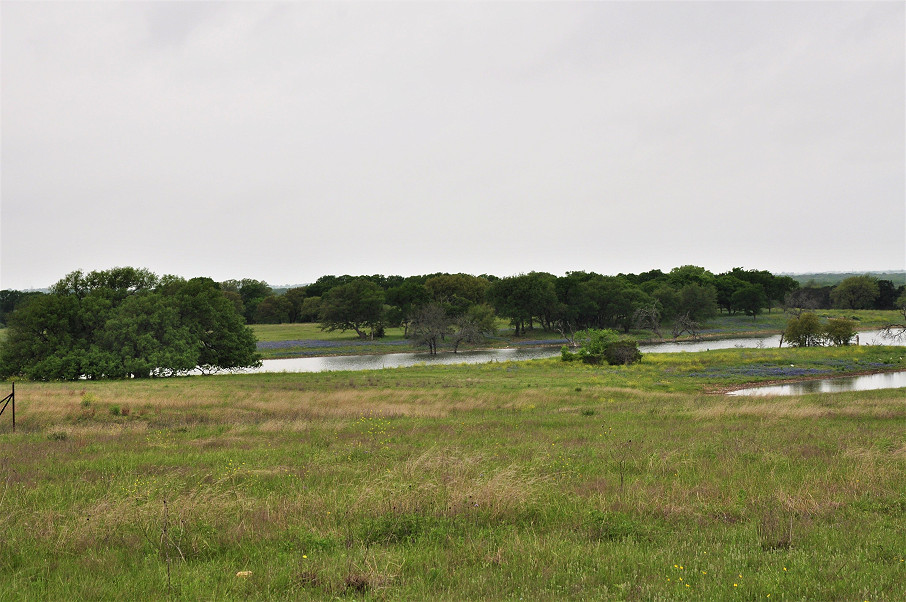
[539,480]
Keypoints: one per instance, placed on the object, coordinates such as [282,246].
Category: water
[868,382]
[868,337]
[399,360]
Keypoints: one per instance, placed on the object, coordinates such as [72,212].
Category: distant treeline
[578,300]
[813,279]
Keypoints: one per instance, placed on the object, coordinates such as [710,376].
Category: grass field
[539,480]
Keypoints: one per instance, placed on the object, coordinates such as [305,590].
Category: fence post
[6,401]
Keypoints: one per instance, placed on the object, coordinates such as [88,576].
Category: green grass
[775,322]
[311,331]
[305,339]
[539,480]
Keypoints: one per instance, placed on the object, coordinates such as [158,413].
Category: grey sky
[285,141]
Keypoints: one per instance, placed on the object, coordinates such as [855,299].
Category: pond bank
[732,389]
[865,381]
[377,361]
[313,348]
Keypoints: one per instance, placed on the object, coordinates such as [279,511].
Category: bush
[623,352]
[840,331]
[604,345]
[807,330]
[804,331]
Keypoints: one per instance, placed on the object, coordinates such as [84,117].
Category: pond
[400,360]
[867,382]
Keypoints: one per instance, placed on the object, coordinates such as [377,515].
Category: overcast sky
[284,141]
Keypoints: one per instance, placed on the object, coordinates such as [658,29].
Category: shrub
[622,352]
[840,331]
[601,345]
[804,331]
[807,330]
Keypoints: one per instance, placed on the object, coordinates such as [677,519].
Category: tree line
[127,322]
[578,299]
[575,301]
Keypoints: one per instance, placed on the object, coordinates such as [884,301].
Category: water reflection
[401,360]
[868,382]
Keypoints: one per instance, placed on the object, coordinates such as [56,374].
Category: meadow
[539,480]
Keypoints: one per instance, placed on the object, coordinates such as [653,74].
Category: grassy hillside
[536,480]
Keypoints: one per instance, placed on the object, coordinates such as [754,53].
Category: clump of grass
[358,582]
[615,526]
[118,410]
[775,528]
[308,579]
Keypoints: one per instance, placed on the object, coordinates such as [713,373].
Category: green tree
[296,297]
[667,298]
[699,302]
[406,299]
[319,287]
[804,330]
[690,274]
[855,292]
[430,325]
[124,322]
[781,287]
[575,308]
[523,298]
[751,299]
[221,337]
[10,300]
[143,337]
[887,295]
[622,307]
[357,306]
[445,287]
[726,285]
[474,326]
[236,300]
[273,309]
[840,331]
[310,310]
[253,292]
